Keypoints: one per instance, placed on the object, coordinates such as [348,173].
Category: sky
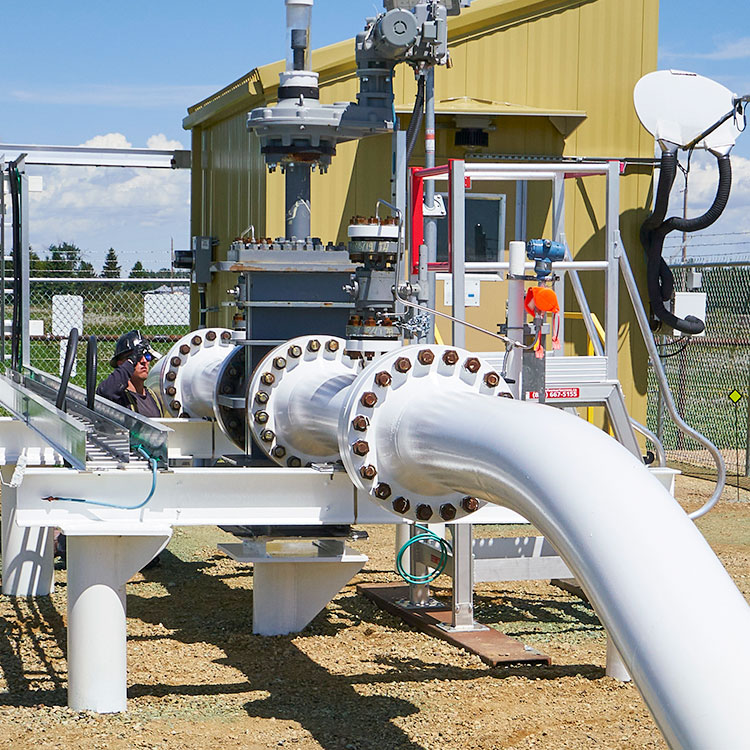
[109,74]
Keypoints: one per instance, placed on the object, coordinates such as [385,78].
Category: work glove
[137,353]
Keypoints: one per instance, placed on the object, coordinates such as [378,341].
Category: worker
[126,385]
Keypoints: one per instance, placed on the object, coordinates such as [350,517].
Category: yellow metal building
[545,79]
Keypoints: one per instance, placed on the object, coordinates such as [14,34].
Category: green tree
[138,271]
[86,270]
[64,259]
[111,268]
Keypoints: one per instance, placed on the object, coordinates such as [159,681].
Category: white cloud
[138,97]
[725,49]
[133,210]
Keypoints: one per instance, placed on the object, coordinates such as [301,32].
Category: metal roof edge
[259,86]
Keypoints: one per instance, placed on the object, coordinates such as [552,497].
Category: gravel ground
[355,679]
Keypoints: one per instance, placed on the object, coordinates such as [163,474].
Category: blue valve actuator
[544,253]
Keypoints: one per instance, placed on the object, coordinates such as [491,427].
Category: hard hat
[126,344]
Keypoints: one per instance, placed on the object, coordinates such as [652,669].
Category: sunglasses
[147,356]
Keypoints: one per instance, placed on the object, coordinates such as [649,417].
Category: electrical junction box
[694,279]
[472,287]
[202,259]
[690,303]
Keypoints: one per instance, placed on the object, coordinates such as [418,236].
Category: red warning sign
[553,393]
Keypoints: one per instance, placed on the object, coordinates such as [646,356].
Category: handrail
[661,379]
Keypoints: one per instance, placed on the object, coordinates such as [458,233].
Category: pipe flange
[270,409]
[370,416]
[185,373]
[229,398]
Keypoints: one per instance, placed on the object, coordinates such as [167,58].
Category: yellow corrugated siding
[573,55]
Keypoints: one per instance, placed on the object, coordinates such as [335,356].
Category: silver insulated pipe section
[422,430]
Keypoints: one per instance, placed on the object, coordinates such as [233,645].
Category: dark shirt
[115,388]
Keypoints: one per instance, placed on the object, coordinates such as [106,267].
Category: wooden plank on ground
[491,646]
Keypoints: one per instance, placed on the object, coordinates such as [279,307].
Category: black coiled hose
[15,330]
[70,358]
[655,229]
[417,115]
[91,367]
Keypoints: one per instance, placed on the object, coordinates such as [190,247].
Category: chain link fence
[709,375]
[104,307]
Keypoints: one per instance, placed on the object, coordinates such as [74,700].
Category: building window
[485,229]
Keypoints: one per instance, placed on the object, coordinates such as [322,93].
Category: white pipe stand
[615,666]
[98,568]
[294,581]
[28,565]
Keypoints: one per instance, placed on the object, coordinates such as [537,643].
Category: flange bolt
[313,345]
[279,451]
[175,406]
[175,361]
[226,336]
[171,376]
[196,341]
[492,380]
[369,399]
[185,349]
[360,448]
[368,472]
[261,397]
[424,512]
[383,379]
[426,357]
[211,336]
[267,436]
[383,491]
[403,364]
[470,504]
[171,391]
[360,423]
[261,417]
[473,365]
[447,512]
[295,351]
[401,505]
[332,345]
[279,363]
[268,378]
[293,462]
[450,357]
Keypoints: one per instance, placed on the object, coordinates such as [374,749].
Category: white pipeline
[663,596]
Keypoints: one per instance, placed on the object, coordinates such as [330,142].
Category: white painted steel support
[522,192]
[516,316]
[615,666]
[659,600]
[419,593]
[612,289]
[27,553]
[458,243]
[462,613]
[98,567]
[558,235]
[291,585]
[403,534]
